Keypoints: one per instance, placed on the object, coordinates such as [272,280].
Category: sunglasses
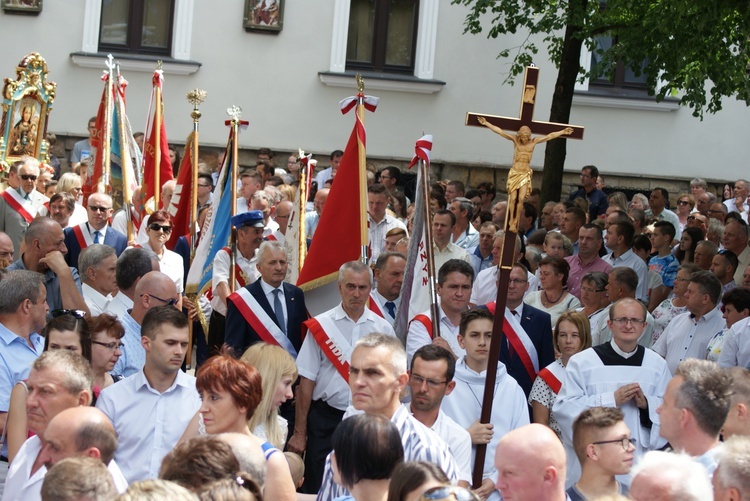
[99,209]
[168,302]
[28,177]
[74,313]
[157,227]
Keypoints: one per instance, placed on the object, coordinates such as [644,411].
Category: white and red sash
[520,341]
[424,320]
[19,204]
[239,274]
[260,321]
[374,306]
[553,375]
[335,347]
[82,236]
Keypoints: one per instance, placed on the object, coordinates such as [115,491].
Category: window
[136,26]
[382,35]
[622,76]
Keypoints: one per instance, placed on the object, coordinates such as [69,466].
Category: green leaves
[696,48]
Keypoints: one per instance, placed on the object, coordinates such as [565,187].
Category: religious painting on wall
[264,15]
[31,6]
[26,105]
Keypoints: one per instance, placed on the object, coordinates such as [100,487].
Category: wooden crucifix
[519,187]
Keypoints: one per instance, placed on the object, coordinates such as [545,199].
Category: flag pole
[424,169]
[106,142]
[364,230]
[234,112]
[194,97]
[125,159]
[305,170]
[157,130]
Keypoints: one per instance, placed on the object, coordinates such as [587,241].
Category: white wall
[274,78]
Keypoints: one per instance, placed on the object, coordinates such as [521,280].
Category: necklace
[556,300]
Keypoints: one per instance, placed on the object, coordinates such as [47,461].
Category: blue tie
[96,237]
[279,310]
[391,307]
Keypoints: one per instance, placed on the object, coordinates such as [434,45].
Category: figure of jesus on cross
[519,176]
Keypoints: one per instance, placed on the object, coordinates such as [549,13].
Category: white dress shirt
[417,335]
[685,337]
[315,366]
[736,350]
[148,423]
[268,291]
[119,305]
[21,485]
[95,300]
[378,297]
[221,274]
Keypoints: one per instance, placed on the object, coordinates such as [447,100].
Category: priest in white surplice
[620,373]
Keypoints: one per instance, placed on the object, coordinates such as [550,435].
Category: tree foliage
[697,50]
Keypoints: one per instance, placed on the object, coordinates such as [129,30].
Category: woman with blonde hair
[572,335]
[278,372]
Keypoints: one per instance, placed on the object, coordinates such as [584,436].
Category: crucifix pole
[518,187]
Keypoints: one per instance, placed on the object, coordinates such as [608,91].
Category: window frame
[380,43]
[133,44]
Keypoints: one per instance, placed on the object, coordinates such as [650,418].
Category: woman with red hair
[231,391]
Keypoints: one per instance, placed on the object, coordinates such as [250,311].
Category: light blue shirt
[16,357]
[148,423]
[133,356]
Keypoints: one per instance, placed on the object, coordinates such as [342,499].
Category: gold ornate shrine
[27,101]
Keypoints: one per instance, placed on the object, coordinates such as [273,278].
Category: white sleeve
[416,337]
[221,269]
[728,356]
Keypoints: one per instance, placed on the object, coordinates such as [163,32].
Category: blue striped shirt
[420,444]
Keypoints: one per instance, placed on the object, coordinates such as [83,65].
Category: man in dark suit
[94,231]
[537,325]
[268,309]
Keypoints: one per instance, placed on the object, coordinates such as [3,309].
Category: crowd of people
[623,361]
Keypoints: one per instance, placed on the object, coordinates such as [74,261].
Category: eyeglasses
[74,313]
[432,383]
[385,177]
[589,289]
[99,209]
[28,177]
[680,279]
[683,202]
[282,217]
[517,281]
[205,186]
[109,346]
[716,211]
[624,442]
[622,321]
[169,302]
[157,227]
[482,192]
[448,493]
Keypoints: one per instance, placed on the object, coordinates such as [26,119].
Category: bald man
[283,211]
[82,431]
[531,465]
[154,289]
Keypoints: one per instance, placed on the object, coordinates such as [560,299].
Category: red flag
[96,161]
[179,207]
[337,238]
[149,154]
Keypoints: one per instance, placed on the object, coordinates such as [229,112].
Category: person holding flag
[323,362]
[249,237]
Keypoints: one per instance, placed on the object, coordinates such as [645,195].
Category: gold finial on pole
[360,83]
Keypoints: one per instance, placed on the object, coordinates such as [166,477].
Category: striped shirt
[420,444]
[378,232]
